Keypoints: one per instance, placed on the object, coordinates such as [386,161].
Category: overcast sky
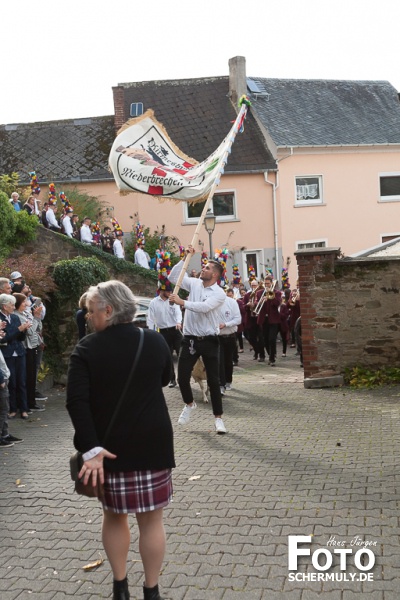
[60,60]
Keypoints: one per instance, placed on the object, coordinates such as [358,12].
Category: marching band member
[269,319]
[250,301]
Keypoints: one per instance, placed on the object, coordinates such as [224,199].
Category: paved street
[320,463]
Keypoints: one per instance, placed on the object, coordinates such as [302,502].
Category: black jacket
[12,341]
[142,437]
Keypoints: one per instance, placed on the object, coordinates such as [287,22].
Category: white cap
[15,275]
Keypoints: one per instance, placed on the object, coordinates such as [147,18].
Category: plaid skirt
[137,491]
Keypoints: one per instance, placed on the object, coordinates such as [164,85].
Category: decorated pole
[244,103]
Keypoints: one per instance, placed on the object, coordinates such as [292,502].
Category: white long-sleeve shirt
[162,314]
[86,234]
[201,316]
[229,315]
[141,259]
[67,226]
[118,249]
[51,218]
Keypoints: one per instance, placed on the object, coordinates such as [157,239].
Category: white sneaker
[186,414]
[219,426]
[228,387]
[222,388]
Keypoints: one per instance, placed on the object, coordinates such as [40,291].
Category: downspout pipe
[276,247]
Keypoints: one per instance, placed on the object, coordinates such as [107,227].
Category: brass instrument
[253,296]
[271,291]
[260,302]
[294,297]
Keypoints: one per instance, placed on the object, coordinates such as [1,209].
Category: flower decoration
[204,259]
[252,273]
[182,253]
[164,269]
[35,187]
[52,195]
[269,273]
[236,278]
[96,232]
[139,234]
[117,228]
[64,202]
[285,279]
[222,256]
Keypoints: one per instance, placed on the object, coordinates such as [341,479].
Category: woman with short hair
[14,355]
[136,464]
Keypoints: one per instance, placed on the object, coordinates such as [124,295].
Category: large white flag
[144,159]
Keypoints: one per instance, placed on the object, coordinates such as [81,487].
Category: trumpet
[294,297]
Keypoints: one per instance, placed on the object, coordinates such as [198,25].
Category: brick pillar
[318,306]
[119,107]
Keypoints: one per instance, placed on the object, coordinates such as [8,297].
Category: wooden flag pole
[238,123]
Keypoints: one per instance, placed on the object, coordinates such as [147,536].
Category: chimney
[119,111]
[237,78]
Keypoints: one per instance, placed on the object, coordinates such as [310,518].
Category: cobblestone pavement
[322,463]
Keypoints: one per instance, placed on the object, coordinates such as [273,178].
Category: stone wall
[52,247]
[350,312]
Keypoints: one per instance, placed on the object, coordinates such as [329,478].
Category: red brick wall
[350,313]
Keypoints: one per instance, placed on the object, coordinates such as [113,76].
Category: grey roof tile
[301,112]
[70,150]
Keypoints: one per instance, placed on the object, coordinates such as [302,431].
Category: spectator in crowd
[86,234]
[16,280]
[5,286]
[135,464]
[31,343]
[51,218]
[14,354]
[29,205]
[107,240]
[14,200]
[6,439]
[43,217]
[76,232]
[66,223]
[81,317]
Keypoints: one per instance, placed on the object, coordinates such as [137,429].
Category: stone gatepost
[319,324]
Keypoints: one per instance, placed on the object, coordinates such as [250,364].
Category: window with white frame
[388,237]
[309,190]
[311,244]
[389,187]
[223,205]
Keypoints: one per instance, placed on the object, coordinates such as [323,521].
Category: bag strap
[126,388]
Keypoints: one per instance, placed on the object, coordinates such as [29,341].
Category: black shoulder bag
[76,460]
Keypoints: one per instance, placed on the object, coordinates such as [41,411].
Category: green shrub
[73,277]
[361,377]
[8,223]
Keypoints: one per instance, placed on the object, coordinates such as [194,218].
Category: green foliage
[85,205]
[8,223]
[9,184]
[73,277]
[360,377]
[16,228]
[153,243]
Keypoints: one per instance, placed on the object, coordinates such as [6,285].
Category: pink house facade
[317,166]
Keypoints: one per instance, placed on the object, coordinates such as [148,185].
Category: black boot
[151,593]
[120,590]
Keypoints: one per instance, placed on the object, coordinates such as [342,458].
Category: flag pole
[244,103]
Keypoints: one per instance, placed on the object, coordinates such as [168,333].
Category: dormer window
[136,109]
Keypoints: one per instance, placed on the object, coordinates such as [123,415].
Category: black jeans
[173,337]
[270,331]
[191,349]
[256,338]
[227,347]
